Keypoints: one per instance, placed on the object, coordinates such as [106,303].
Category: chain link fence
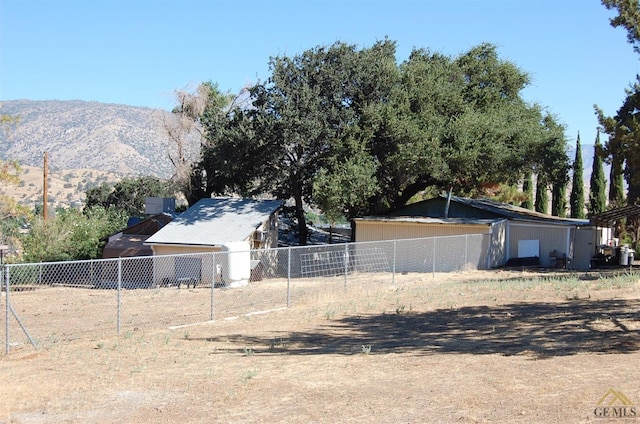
[46,303]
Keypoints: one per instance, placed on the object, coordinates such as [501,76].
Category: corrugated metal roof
[216,221]
[516,212]
[428,220]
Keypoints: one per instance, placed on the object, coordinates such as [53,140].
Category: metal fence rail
[51,302]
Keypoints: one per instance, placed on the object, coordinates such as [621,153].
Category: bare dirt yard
[499,346]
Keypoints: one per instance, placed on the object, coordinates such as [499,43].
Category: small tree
[527,188]
[542,195]
[71,234]
[616,183]
[597,195]
[576,199]
[558,198]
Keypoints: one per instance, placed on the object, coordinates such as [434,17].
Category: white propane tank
[236,263]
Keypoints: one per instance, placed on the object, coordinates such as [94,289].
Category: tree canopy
[354,132]
[628,17]
[127,195]
[623,147]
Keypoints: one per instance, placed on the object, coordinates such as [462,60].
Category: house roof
[429,220]
[489,208]
[515,212]
[127,245]
[216,221]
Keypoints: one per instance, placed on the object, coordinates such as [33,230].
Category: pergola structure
[606,219]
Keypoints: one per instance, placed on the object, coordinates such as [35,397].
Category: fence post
[489,250]
[119,288]
[433,267]
[289,277]
[5,277]
[346,263]
[213,283]
[466,248]
[393,270]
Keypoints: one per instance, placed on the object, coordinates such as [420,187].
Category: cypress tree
[616,183]
[576,198]
[542,195]
[527,188]
[597,195]
[558,199]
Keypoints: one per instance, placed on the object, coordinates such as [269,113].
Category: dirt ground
[498,346]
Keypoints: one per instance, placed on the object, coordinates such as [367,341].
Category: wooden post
[45,189]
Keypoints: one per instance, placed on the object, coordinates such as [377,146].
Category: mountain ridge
[77,134]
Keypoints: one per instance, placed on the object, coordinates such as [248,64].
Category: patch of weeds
[618,281]
[128,335]
[399,310]
[330,313]
[249,375]
[186,335]
[566,283]
[247,351]
[366,349]
[100,345]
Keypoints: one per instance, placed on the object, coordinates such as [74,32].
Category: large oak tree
[354,132]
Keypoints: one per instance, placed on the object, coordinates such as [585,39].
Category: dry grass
[65,187]
[469,347]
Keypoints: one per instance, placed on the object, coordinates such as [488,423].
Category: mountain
[119,139]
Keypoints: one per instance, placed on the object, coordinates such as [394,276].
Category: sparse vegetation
[528,334]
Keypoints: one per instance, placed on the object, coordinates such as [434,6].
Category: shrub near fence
[52,302]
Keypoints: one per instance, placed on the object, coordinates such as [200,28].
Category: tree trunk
[302,222]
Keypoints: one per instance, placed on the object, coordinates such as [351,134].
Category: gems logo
[615,404]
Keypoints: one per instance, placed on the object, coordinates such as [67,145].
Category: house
[130,241]
[212,223]
[234,225]
[513,233]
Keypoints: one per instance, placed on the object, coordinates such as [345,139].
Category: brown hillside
[117,139]
[65,187]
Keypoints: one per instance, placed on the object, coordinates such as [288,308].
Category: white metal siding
[551,237]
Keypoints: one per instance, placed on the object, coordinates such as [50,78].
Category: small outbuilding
[515,234]
[130,241]
[212,223]
[231,225]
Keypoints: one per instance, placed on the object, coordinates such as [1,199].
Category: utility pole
[45,189]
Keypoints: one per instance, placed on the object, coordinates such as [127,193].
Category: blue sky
[137,52]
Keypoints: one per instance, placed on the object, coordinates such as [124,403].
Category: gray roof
[216,221]
[516,212]
[429,220]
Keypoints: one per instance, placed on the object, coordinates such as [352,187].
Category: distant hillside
[125,140]
[65,187]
